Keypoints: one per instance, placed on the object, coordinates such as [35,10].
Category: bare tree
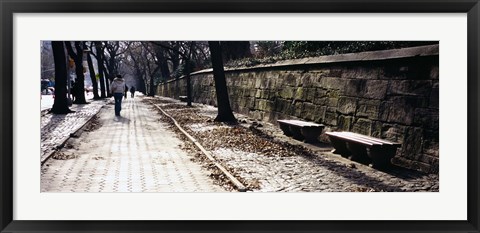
[135,59]
[93,77]
[186,51]
[225,113]
[60,104]
[152,66]
[99,55]
[77,56]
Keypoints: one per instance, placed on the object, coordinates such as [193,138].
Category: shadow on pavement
[121,119]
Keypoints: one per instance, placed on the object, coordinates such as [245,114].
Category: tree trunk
[151,91]
[108,80]
[79,87]
[162,63]
[103,91]
[189,84]
[143,85]
[225,113]
[175,56]
[60,104]
[189,90]
[93,77]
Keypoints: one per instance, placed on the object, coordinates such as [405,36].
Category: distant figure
[126,90]
[117,88]
[132,90]
[73,90]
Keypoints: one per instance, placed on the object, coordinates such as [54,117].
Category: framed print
[395,80]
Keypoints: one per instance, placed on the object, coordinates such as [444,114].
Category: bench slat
[354,139]
[372,138]
[364,137]
[300,123]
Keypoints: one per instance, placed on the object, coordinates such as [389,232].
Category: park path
[132,153]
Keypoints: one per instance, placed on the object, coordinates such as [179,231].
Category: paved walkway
[132,153]
[55,129]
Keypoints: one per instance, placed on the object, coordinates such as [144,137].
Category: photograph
[239,116]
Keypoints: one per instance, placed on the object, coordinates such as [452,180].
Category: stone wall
[391,94]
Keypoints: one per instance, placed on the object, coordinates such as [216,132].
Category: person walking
[132,90]
[117,88]
[126,91]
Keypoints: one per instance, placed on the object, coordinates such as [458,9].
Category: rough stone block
[253,92]
[410,87]
[250,82]
[330,118]
[290,79]
[336,71]
[427,118]
[369,109]
[377,129]
[431,160]
[362,126]
[332,102]
[375,89]
[412,142]
[316,78]
[333,93]
[393,132]
[347,105]
[261,105]
[367,72]
[263,82]
[250,103]
[320,93]
[290,107]
[309,94]
[264,94]
[298,109]
[320,113]
[434,98]
[279,105]
[398,110]
[305,80]
[270,106]
[333,83]
[431,142]
[349,72]
[272,95]
[355,87]
[345,123]
[299,93]
[258,82]
[287,93]
[258,93]
[257,114]
[321,101]
[308,111]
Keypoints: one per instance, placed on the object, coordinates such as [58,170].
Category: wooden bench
[363,148]
[183,98]
[301,130]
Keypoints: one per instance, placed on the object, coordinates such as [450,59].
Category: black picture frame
[9,7]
